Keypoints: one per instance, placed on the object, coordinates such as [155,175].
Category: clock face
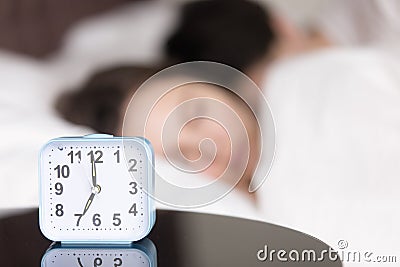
[82,257]
[96,189]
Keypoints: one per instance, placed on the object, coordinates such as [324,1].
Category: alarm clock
[141,254]
[96,189]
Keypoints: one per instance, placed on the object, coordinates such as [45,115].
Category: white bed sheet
[337,167]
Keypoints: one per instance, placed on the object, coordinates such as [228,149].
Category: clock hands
[95,190]
[94,176]
[88,203]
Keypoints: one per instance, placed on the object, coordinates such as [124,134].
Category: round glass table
[177,239]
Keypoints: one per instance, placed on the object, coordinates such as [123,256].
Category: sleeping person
[201,133]
[332,142]
[96,103]
[337,120]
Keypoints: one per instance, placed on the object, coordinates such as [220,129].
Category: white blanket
[337,168]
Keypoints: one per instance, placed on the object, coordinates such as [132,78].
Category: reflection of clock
[141,254]
[96,189]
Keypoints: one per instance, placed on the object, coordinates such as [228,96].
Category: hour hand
[87,206]
[88,203]
[94,175]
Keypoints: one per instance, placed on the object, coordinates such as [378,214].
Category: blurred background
[38,28]
[51,47]
[329,68]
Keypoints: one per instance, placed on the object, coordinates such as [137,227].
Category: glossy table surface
[177,239]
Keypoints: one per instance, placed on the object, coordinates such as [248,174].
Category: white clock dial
[98,257]
[96,189]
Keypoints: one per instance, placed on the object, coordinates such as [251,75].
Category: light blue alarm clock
[140,254]
[96,189]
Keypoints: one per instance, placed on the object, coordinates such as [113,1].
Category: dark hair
[233,32]
[98,103]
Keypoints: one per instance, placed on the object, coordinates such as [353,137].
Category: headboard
[36,27]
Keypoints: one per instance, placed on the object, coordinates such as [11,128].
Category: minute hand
[94,175]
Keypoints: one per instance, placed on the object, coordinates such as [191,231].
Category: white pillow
[132,34]
[27,121]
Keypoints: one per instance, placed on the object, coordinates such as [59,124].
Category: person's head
[102,101]
[201,125]
[234,32]
[97,103]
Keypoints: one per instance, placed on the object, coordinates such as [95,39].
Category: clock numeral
[133,209]
[96,220]
[117,155]
[62,171]
[97,262]
[59,210]
[117,262]
[133,168]
[77,154]
[99,155]
[134,188]
[116,219]
[79,218]
[59,188]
